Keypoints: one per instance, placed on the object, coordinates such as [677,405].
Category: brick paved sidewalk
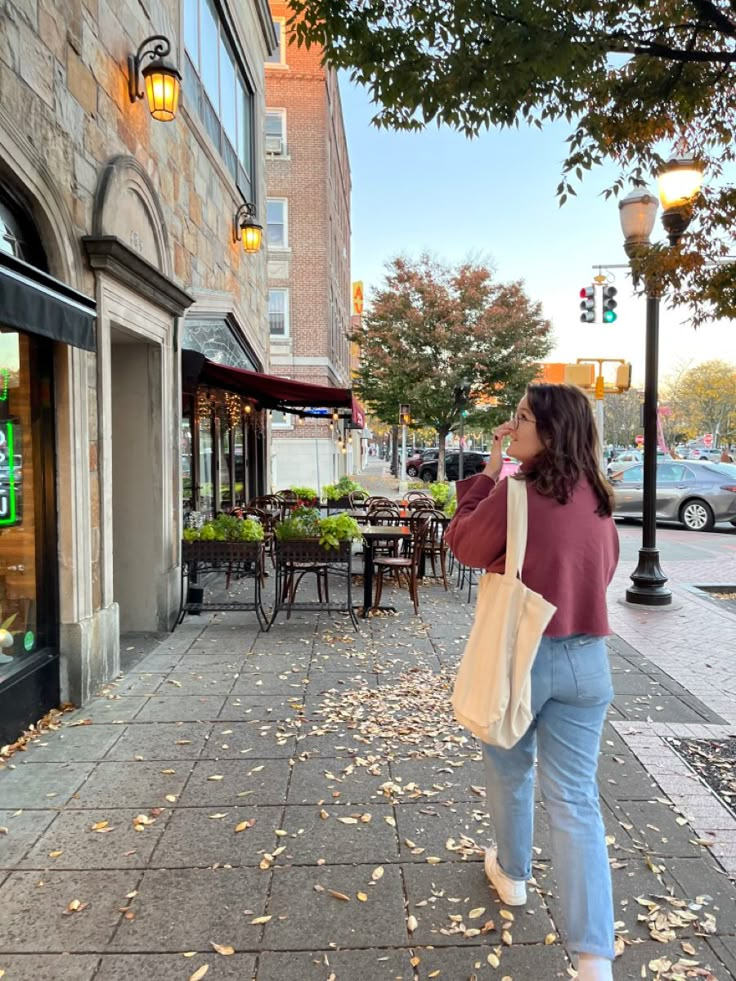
[265,800]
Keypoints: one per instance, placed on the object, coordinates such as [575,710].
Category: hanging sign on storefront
[8,477]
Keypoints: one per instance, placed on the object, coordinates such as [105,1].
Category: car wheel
[426,476]
[697,516]
[411,471]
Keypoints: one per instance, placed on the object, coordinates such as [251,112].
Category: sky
[493,199]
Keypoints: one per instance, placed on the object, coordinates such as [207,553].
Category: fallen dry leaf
[225,949]
[339,895]
[199,973]
[377,873]
[411,924]
[260,919]
[244,825]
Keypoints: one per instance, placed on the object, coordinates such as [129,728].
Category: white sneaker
[592,968]
[510,891]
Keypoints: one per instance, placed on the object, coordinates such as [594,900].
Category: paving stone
[248,781]
[33,917]
[439,781]
[174,967]
[203,837]
[24,828]
[193,682]
[431,824]
[181,708]
[76,745]
[187,909]
[41,785]
[466,884]
[655,828]
[312,837]
[635,683]
[119,846]
[136,682]
[629,967]
[244,740]
[162,661]
[624,778]
[259,683]
[338,779]
[49,967]
[212,661]
[724,949]
[523,961]
[702,877]
[344,965]
[663,708]
[324,919]
[109,710]
[140,784]
[160,741]
[275,707]
[355,663]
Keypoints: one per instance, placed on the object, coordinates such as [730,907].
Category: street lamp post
[679,184]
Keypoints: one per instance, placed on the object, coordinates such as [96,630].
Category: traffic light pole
[460,461]
[648,579]
[403,483]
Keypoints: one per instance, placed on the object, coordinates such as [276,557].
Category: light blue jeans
[571,691]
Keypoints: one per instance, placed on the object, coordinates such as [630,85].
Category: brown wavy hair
[566,427]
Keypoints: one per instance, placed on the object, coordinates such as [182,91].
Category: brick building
[308,179]
[117,251]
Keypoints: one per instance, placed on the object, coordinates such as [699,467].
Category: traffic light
[404,414]
[466,413]
[609,304]
[582,375]
[623,377]
[587,304]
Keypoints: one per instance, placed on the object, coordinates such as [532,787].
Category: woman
[571,555]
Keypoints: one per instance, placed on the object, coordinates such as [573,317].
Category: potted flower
[338,495]
[306,537]
[307,496]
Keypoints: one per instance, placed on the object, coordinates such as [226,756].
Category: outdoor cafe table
[371,535]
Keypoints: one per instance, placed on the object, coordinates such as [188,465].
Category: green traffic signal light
[465,413]
[609,316]
[609,304]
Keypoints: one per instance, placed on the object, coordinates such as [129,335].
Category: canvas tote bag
[492,693]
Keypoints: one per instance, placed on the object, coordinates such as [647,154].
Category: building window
[215,84]
[278,312]
[281,420]
[279,55]
[276,132]
[276,220]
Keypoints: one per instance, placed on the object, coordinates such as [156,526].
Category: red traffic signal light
[587,304]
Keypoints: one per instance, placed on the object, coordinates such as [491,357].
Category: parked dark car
[695,494]
[473,462]
[415,461]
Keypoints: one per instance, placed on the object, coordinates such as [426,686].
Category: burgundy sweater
[571,552]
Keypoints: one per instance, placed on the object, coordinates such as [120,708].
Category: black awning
[34,301]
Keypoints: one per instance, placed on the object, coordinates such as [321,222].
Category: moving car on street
[415,461]
[696,494]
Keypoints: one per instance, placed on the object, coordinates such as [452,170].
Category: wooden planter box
[339,504]
[293,558]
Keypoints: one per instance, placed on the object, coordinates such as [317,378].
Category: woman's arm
[477,532]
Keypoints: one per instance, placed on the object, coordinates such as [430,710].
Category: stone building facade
[308,174]
[131,222]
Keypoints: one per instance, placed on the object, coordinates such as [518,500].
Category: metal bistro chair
[387,515]
[379,502]
[418,495]
[358,499]
[435,547]
[408,564]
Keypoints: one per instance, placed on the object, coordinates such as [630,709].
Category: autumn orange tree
[703,398]
[433,325]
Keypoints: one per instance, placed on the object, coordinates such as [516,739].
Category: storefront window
[226,500]
[241,494]
[206,469]
[26,608]
[187,483]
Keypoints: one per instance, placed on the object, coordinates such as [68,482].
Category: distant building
[308,216]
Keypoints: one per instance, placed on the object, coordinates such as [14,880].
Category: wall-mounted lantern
[246,228]
[161,79]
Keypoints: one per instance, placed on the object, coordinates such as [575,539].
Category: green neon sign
[4,384]
[8,509]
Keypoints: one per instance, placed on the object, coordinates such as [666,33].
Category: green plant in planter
[441,493]
[451,507]
[304,493]
[226,528]
[344,486]
[338,528]
[301,523]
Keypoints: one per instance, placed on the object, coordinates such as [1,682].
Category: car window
[724,469]
[670,472]
[633,475]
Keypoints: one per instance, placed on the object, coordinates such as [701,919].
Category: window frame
[287,332]
[284,246]
[279,62]
[199,104]
[284,142]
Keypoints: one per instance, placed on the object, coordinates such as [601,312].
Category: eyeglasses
[516,419]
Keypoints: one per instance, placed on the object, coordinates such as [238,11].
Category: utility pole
[405,420]
[461,400]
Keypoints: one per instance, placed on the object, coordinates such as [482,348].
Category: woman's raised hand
[493,467]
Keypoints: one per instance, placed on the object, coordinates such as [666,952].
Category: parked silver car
[696,494]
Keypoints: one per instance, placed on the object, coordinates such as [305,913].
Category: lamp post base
[648,581]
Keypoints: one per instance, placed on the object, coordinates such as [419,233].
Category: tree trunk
[395,450]
[441,435]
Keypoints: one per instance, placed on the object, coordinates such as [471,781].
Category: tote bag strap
[516,526]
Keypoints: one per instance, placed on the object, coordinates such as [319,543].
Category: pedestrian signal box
[587,304]
[623,377]
[404,414]
[582,375]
